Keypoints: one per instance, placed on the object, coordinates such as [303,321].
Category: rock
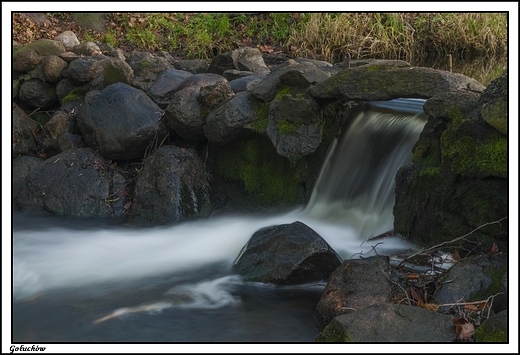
[52,67]
[493,103]
[184,113]
[390,323]
[200,80]
[194,66]
[212,96]
[229,121]
[245,83]
[59,124]
[120,122]
[27,57]
[233,74]
[69,56]
[376,82]
[22,166]
[85,69]
[248,59]
[24,133]
[87,49]
[355,285]
[286,254]
[474,279]
[73,183]
[69,39]
[38,94]
[168,81]
[68,141]
[114,71]
[443,105]
[146,69]
[494,329]
[295,126]
[317,63]
[303,76]
[172,186]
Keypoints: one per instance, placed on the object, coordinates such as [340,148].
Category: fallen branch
[450,241]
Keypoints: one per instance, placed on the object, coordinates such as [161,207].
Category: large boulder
[172,186]
[390,323]
[74,183]
[383,82]
[355,285]
[286,254]
[120,122]
[493,103]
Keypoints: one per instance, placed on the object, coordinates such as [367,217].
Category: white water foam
[63,257]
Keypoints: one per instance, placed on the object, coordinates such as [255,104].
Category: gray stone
[73,183]
[184,113]
[172,186]
[355,285]
[230,121]
[390,323]
[87,49]
[69,39]
[120,122]
[493,104]
[286,254]
[52,67]
[38,94]
[24,133]
[168,81]
[22,166]
[27,57]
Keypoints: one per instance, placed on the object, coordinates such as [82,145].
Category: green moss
[114,74]
[285,90]
[469,157]
[77,94]
[430,171]
[495,336]
[333,333]
[261,110]
[286,127]
[262,172]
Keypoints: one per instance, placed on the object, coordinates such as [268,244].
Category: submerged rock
[286,254]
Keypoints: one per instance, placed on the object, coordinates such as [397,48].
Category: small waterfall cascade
[357,180]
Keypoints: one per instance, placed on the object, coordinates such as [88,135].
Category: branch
[450,241]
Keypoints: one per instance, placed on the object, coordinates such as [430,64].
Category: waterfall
[357,180]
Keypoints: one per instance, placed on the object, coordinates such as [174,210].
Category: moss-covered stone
[479,155]
[333,333]
[76,95]
[261,110]
[261,171]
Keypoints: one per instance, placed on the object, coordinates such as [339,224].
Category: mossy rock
[493,330]
[91,20]
[270,178]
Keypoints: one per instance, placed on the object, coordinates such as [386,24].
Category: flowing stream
[83,280]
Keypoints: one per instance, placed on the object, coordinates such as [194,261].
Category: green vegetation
[326,36]
[262,172]
[494,336]
[287,127]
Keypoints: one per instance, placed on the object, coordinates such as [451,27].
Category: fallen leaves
[463,329]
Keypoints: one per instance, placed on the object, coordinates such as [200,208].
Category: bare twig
[450,241]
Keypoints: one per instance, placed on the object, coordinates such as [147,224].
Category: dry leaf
[466,331]
[430,306]
[494,249]
[455,255]
[416,295]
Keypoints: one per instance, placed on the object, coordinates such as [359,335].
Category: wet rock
[286,254]
[172,186]
[73,183]
[389,323]
[120,122]
[355,285]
